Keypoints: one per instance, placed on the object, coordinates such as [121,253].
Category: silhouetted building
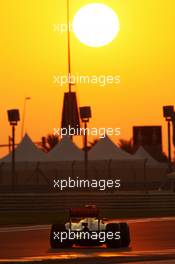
[150,137]
[70,112]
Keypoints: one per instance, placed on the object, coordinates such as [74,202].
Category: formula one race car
[85,228]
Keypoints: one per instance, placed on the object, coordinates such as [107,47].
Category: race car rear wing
[84,212]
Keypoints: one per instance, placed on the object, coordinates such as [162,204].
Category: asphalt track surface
[152,239]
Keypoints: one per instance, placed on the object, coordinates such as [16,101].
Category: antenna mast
[68,45]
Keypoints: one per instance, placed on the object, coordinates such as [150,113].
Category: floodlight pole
[13,118]
[169,143]
[168,113]
[85,150]
[85,114]
[13,155]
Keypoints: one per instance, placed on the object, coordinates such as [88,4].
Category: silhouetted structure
[85,114]
[13,118]
[173,123]
[150,137]
[167,113]
[70,113]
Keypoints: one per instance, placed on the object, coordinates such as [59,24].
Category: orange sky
[31,53]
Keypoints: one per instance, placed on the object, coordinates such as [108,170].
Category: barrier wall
[131,173]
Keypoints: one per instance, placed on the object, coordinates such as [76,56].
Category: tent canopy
[105,149]
[26,152]
[141,153]
[66,150]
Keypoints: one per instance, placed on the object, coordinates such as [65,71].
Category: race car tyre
[113,228]
[55,241]
[125,235]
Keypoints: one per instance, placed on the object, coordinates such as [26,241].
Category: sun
[96,25]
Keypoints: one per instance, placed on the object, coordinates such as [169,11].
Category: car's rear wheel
[114,242]
[125,235]
[55,238]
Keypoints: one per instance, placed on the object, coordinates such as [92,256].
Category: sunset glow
[32,52]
